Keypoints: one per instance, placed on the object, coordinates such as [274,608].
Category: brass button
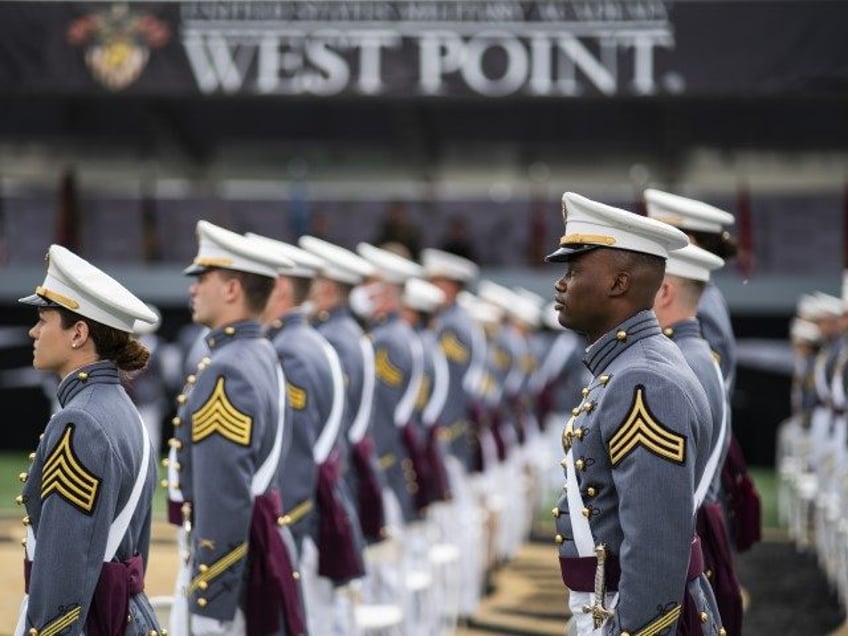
[284,520]
[82,376]
[181,398]
[589,407]
[586,512]
[704,616]
[579,433]
[152,632]
[31,456]
[211,343]
[722,631]
[25,520]
[625,633]
[164,632]
[584,391]
[202,568]
[559,539]
[164,483]
[709,574]
[20,500]
[23,542]
[23,477]
[575,411]
[166,462]
[555,513]
[621,335]
[591,491]
[296,575]
[668,332]
[176,421]
[175,443]
[33,631]
[202,585]
[230,331]
[191,379]
[580,464]
[177,466]
[201,602]
[604,379]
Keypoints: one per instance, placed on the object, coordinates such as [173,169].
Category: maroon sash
[744,501]
[110,605]
[272,588]
[578,573]
[718,561]
[370,494]
[478,420]
[338,557]
[419,464]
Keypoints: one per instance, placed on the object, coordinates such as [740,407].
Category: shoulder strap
[266,471]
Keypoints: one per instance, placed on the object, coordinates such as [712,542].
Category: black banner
[425,48]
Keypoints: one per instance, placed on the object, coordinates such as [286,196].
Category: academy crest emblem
[118,43]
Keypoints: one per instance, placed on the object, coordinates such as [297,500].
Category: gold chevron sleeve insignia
[387,372]
[63,622]
[640,428]
[219,415]
[297,396]
[658,625]
[423,392]
[453,349]
[64,474]
[500,358]
[210,572]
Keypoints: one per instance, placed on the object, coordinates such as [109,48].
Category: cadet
[331,287]
[634,445]
[316,503]
[89,491]
[232,433]
[687,272]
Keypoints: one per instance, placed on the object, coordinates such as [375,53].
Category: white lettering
[215,64]
[441,52]
[370,67]
[515,73]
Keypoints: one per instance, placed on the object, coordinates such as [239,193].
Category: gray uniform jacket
[455,333]
[686,334]
[303,354]
[638,439]
[398,371]
[81,477]
[224,432]
[714,317]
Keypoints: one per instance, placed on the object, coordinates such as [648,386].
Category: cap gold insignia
[64,474]
[640,428]
[219,415]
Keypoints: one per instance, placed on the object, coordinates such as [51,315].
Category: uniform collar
[293,317]
[688,328]
[101,372]
[237,331]
[613,343]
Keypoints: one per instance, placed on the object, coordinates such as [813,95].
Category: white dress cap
[340,264]
[305,264]
[689,214]
[74,283]
[801,330]
[512,303]
[219,248]
[143,328]
[441,264]
[590,224]
[693,263]
[829,305]
[390,266]
[480,310]
[421,295]
[809,307]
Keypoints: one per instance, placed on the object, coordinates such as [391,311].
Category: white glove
[205,626]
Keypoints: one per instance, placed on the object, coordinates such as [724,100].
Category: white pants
[582,621]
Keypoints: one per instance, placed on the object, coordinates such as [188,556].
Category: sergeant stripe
[219,415]
[423,393]
[453,349]
[63,622]
[64,474]
[663,622]
[640,427]
[297,396]
[386,371]
[218,568]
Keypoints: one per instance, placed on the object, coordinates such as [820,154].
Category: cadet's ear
[620,283]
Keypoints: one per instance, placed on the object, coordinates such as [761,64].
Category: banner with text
[425,48]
